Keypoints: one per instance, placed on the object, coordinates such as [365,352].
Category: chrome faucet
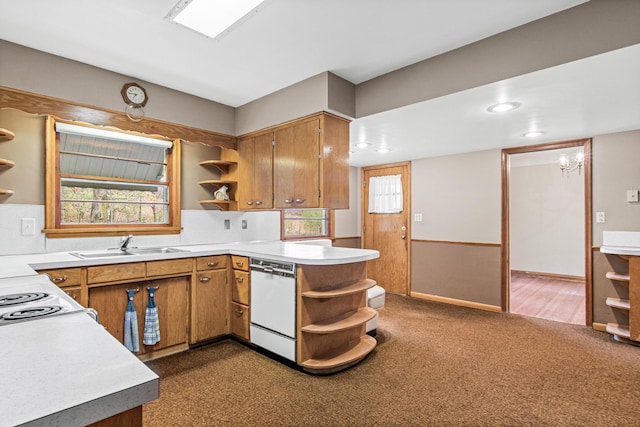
[124,243]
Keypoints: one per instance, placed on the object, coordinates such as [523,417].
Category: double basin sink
[111,253]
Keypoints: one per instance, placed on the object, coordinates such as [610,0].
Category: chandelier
[568,164]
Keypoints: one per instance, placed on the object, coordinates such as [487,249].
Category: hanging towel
[131,340]
[151,323]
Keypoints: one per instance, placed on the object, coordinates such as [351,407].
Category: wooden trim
[602,327]
[102,117]
[549,275]
[458,302]
[300,120]
[451,242]
[54,233]
[505,234]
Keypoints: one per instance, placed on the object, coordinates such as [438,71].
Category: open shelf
[225,205]
[217,182]
[341,289]
[221,165]
[4,163]
[619,277]
[342,322]
[622,304]
[4,192]
[619,330]
[343,360]
[6,135]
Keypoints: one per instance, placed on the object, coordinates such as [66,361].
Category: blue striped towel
[131,340]
[151,322]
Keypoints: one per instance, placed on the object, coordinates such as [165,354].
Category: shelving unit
[628,332]
[332,315]
[227,165]
[6,135]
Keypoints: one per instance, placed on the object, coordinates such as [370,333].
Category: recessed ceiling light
[362,145]
[533,134]
[383,150]
[503,107]
[212,18]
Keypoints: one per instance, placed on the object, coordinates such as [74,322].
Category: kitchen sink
[111,253]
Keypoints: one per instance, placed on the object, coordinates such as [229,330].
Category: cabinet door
[255,172]
[172,300]
[240,321]
[210,305]
[297,166]
[111,303]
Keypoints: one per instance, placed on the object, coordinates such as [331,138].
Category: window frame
[330,226]
[54,228]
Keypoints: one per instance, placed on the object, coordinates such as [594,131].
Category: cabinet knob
[204,279]
[288,200]
[258,202]
[239,312]
[240,279]
[249,203]
[75,297]
[299,200]
[239,263]
[59,279]
[212,263]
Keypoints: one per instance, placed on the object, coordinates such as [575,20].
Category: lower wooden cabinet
[210,304]
[240,317]
[171,298]
[240,297]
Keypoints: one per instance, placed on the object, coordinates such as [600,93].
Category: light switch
[28,227]
[417,217]
[632,196]
[600,217]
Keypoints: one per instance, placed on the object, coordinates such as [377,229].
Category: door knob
[404,236]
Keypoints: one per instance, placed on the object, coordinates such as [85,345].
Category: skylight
[212,17]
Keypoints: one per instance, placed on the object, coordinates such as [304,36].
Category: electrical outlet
[227,224]
[632,196]
[600,218]
[28,227]
[244,224]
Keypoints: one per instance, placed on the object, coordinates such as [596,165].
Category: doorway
[546,233]
[387,229]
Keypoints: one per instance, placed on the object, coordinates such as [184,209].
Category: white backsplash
[199,227]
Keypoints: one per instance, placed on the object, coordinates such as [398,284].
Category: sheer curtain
[385,194]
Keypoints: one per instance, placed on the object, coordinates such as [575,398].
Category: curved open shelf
[619,330]
[343,360]
[619,277]
[342,289]
[225,205]
[221,165]
[4,163]
[622,304]
[6,135]
[5,192]
[342,322]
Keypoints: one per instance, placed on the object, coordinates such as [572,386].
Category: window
[307,223]
[103,182]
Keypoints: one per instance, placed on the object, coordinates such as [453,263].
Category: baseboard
[459,302]
[550,275]
[602,327]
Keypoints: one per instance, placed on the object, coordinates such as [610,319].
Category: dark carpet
[435,364]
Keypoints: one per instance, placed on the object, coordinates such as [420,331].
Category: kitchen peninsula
[325,344]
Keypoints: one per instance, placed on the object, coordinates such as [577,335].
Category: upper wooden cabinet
[255,172]
[310,166]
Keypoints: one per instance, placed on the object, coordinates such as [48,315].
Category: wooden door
[255,171]
[210,305]
[388,233]
[172,300]
[111,303]
[297,166]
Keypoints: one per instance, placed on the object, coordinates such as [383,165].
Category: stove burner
[15,299]
[29,313]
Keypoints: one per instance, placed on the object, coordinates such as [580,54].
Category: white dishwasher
[273,306]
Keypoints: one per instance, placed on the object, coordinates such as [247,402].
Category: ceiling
[291,40]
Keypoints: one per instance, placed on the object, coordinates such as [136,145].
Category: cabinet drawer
[240,262]
[115,272]
[65,276]
[169,267]
[240,321]
[73,292]
[240,287]
[211,262]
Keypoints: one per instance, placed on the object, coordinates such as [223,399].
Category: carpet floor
[435,365]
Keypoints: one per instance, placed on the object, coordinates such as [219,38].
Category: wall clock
[134,94]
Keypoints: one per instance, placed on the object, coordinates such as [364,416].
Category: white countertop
[299,253]
[68,371]
[621,243]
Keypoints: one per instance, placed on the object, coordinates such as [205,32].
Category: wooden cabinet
[310,164]
[332,317]
[110,301]
[240,297]
[255,172]
[70,280]
[172,299]
[6,135]
[628,275]
[210,299]
[227,166]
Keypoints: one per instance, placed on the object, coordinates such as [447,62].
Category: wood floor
[548,298]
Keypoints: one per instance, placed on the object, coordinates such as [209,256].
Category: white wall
[546,214]
[458,196]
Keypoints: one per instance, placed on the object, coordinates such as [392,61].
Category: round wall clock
[134,94]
